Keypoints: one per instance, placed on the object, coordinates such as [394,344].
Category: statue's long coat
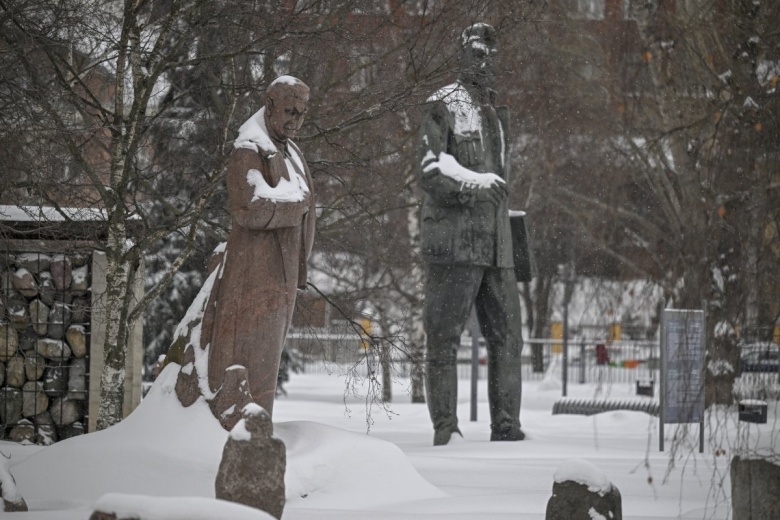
[457,229]
[251,305]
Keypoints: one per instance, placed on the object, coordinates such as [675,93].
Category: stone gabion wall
[44,345]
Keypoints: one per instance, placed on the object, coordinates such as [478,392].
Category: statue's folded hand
[494,193]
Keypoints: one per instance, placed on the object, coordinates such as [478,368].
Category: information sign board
[682,367]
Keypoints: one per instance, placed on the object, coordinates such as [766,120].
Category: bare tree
[90,85]
[130,106]
[655,139]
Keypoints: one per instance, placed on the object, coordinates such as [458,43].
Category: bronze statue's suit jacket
[457,229]
[251,304]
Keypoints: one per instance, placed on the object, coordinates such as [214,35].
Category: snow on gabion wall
[44,345]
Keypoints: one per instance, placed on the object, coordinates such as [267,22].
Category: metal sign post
[683,344]
[565,367]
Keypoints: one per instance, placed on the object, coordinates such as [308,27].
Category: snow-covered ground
[335,469]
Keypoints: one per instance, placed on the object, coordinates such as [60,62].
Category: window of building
[636,75]
[372,7]
[639,9]
[588,9]
[696,9]
[363,75]
[422,7]
[313,6]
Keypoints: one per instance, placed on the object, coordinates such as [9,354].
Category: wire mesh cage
[45,307]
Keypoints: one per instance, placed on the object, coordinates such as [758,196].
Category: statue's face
[285,112]
[477,62]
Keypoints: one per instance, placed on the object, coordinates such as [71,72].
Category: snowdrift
[163,449]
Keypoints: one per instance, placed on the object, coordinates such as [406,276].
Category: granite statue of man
[466,239]
[271,200]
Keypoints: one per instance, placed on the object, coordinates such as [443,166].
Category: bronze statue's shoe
[513,433]
[442,437]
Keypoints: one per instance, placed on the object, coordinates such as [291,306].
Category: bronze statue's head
[286,102]
[476,59]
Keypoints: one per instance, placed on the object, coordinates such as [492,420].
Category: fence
[626,361]
[340,351]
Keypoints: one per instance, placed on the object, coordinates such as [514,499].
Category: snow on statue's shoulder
[585,473]
[467,121]
[448,93]
[294,190]
[253,135]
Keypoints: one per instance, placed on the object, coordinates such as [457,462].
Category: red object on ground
[602,355]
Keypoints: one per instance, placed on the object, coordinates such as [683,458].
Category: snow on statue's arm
[254,203]
[442,177]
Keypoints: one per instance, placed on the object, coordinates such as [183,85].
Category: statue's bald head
[285,86]
[286,102]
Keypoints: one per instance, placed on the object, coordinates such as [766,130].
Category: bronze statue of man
[466,240]
[271,199]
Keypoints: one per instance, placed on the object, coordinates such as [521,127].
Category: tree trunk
[387,376]
[417,354]
[112,379]
[417,339]
[542,288]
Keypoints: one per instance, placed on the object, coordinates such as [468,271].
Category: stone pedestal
[582,492]
[754,489]
[253,462]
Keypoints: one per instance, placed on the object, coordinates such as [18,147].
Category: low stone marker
[754,489]
[581,491]
[253,464]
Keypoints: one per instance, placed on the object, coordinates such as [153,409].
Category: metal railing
[329,351]
[626,361]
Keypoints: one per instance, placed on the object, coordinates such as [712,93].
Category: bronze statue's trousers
[450,291]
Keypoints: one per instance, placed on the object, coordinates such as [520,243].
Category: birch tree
[94,81]
[691,146]
[709,160]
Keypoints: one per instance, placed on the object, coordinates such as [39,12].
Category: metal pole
[474,363]
[565,374]
[701,372]
[582,362]
[662,386]
[567,274]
